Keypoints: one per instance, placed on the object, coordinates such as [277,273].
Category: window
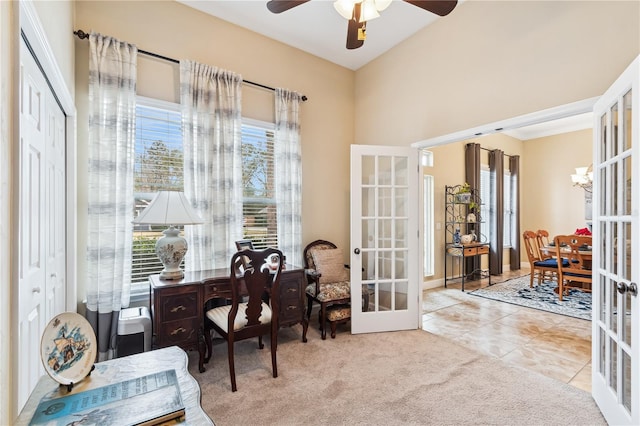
[428,240]
[259,222]
[488,206]
[159,167]
[428,227]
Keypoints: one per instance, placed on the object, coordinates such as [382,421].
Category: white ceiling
[317,28]
[549,128]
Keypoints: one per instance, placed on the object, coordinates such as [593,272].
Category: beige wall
[177,31]
[57,18]
[7,156]
[549,199]
[493,60]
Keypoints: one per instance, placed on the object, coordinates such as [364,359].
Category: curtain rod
[82,35]
[506,155]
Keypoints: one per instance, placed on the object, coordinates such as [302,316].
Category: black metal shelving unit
[463,212]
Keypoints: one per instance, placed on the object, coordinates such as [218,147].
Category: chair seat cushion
[220,316]
[551,263]
[338,313]
[330,291]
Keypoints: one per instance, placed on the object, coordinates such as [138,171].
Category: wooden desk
[177,306]
[121,369]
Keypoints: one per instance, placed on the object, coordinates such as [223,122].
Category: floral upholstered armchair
[329,285]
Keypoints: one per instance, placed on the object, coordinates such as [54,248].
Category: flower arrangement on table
[582,231]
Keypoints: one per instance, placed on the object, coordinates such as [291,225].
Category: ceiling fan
[358,12]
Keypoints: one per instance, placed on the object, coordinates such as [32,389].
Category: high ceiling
[317,28]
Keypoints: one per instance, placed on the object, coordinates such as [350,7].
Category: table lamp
[170,208]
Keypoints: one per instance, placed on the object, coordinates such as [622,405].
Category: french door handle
[356,251]
[631,288]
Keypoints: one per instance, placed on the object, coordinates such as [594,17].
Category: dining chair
[542,237]
[576,272]
[540,268]
[252,312]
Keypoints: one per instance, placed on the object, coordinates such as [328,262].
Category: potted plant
[463,194]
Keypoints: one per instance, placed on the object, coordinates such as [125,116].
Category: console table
[120,369]
[177,306]
[461,254]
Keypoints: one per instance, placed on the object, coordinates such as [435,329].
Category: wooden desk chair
[255,317]
[540,268]
[573,273]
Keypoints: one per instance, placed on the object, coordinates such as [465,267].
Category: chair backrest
[259,280]
[569,247]
[315,245]
[531,246]
[542,238]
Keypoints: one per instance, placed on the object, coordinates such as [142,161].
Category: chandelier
[369,9]
[583,178]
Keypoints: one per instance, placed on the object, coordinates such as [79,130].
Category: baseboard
[426,285]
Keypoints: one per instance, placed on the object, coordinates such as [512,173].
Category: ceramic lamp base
[171,250]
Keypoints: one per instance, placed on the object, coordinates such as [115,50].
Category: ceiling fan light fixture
[369,11]
[344,8]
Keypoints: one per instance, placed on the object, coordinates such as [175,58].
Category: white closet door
[41,245]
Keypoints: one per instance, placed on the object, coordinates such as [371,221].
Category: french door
[385,245]
[616,237]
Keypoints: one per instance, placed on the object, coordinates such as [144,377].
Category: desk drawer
[289,291]
[483,249]
[470,251]
[178,306]
[179,332]
[290,312]
[213,290]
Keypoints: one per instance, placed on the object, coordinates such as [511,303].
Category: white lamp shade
[369,11]
[169,208]
[344,8]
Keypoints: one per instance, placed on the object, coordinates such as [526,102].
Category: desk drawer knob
[178,308]
[178,330]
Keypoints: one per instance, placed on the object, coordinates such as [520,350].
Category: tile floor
[554,345]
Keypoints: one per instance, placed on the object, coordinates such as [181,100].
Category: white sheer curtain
[112,103]
[288,168]
[211,129]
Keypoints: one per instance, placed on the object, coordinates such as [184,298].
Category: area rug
[516,291]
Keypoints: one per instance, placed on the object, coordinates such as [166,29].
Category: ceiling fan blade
[355,29]
[279,6]
[439,7]
[353,41]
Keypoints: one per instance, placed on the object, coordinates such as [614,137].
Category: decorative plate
[68,348]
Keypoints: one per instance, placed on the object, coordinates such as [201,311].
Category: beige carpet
[407,377]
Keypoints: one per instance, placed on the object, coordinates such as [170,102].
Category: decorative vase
[456,237]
